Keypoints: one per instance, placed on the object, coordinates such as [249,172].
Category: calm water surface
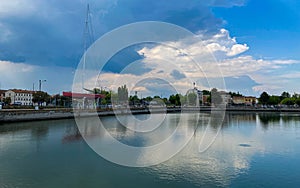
[251,150]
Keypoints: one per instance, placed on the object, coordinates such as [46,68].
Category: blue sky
[270,27]
[256,42]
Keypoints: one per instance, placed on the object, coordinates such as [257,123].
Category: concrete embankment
[14,115]
[17,115]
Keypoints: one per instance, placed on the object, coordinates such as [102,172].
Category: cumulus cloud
[191,60]
[237,49]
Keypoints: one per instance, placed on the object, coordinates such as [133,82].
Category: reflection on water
[252,149]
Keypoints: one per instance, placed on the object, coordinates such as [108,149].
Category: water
[251,150]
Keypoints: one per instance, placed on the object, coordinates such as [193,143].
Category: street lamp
[40,84]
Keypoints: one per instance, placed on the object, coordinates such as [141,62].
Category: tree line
[284,99]
[122,97]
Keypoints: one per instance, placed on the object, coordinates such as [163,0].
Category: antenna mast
[88,40]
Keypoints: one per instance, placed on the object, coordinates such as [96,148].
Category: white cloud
[285,62]
[293,74]
[237,49]
[223,52]
[15,68]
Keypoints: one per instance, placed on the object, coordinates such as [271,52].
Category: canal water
[250,150]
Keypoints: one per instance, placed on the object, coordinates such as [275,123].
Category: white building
[20,97]
[226,97]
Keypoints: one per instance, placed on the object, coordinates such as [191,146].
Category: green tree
[295,95]
[297,101]
[183,100]
[274,100]
[175,99]
[134,100]
[104,101]
[148,99]
[172,99]
[7,100]
[123,94]
[209,99]
[285,95]
[288,101]
[192,99]
[216,98]
[166,101]
[264,98]
[109,97]
[232,94]
[206,92]
[96,91]
[40,97]
[113,97]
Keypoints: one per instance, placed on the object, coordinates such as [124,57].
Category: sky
[255,44]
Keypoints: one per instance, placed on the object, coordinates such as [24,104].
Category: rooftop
[21,91]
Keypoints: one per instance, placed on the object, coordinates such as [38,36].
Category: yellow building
[238,100]
[242,100]
[250,100]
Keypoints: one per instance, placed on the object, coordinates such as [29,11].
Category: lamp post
[40,84]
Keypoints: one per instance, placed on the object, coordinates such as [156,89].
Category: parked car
[17,104]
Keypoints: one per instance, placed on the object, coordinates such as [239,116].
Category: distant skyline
[256,43]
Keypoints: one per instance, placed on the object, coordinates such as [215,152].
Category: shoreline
[22,115]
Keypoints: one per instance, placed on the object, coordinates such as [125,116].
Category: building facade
[20,97]
[226,97]
[242,100]
[238,100]
[250,101]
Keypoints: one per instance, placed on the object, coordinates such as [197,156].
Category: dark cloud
[193,15]
[52,33]
[177,75]
[124,58]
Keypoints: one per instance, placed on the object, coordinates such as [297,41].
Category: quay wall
[15,115]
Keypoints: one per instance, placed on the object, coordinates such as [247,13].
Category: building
[20,97]
[84,100]
[250,101]
[242,100]
[238,100]
[226,97]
